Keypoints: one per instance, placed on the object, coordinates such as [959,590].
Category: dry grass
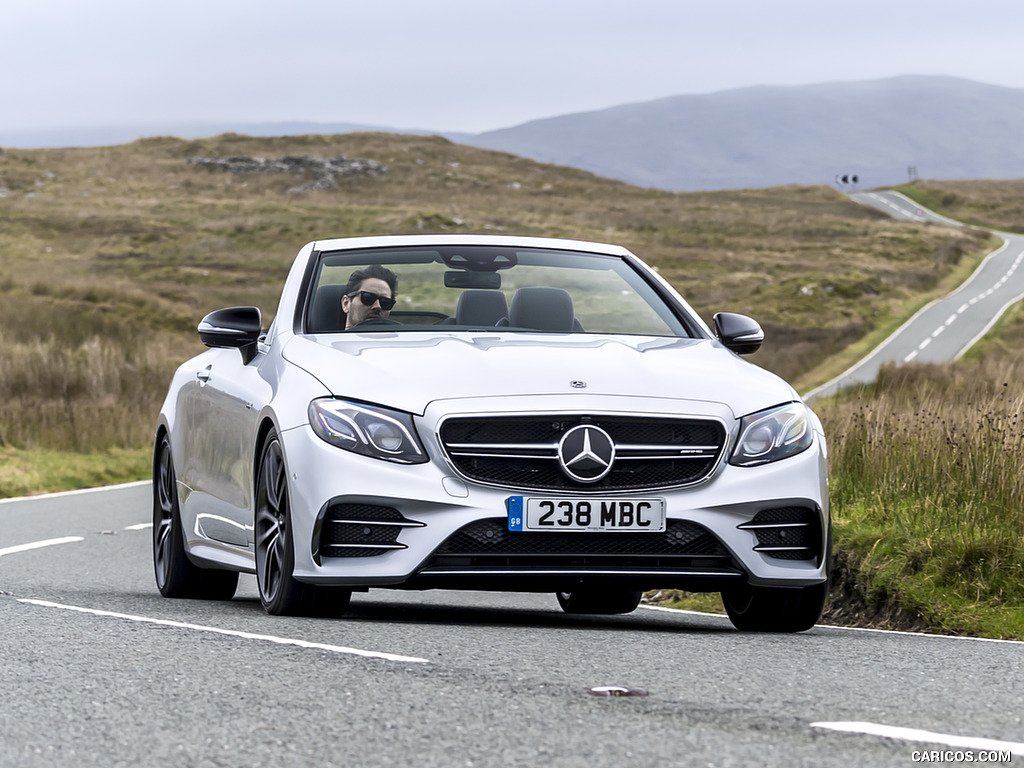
[991,204]
[86,397]
[926,491]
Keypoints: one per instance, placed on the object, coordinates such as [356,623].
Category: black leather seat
[481,307]
[543,308]
[325,316]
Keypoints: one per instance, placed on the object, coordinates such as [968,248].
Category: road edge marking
[666,609]
[39,544]
[76,492]
[228,632]
[930,737]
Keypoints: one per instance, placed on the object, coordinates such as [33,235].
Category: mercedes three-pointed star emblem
[586,453]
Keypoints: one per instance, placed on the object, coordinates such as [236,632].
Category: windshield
[493,288]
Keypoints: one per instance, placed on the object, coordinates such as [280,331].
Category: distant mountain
[882,131]
[109,135]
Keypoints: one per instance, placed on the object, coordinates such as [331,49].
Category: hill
[927,127]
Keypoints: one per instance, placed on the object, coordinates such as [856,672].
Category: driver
[369,295]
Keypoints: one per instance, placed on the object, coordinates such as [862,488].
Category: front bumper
[435,504]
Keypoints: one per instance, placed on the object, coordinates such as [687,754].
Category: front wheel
[280,593]
[599,601]
[775,609]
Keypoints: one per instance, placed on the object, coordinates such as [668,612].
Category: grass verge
[32,471]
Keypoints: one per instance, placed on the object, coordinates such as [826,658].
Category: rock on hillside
[325,170]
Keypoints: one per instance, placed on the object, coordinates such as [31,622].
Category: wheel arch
[162,431]
[267,425]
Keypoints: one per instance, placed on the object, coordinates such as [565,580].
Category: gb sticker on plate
[515,513]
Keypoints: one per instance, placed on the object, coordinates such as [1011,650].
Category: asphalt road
[96,669]
[944,329]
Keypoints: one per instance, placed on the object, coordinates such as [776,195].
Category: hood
[409,370]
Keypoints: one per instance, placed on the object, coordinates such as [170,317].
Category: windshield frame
[634,272]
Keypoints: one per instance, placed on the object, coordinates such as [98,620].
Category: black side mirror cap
[741,334]
[233,328]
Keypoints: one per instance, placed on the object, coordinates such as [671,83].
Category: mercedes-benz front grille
[522,451]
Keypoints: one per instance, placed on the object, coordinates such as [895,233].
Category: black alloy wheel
[280,593]
[780,609]
[599,601]
[176,575]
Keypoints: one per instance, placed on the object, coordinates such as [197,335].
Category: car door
[221,410]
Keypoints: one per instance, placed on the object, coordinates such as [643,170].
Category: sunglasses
[368,298]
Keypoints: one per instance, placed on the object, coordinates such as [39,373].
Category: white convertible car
[488,413]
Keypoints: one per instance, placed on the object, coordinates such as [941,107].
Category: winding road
[944,329]
[96,669]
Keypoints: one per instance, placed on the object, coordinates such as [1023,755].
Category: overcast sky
[463,65]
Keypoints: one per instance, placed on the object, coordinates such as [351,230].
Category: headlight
[772,435]
[371,431]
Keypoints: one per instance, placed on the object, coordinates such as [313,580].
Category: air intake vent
[787,533]
[489,542]
[361,530]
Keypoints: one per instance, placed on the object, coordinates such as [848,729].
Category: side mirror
[233,328]
[739,333]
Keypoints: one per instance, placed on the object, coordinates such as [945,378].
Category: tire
[599,601]
[280,593]
[781,609]
[176,575]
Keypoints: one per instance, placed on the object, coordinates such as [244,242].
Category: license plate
[529,513]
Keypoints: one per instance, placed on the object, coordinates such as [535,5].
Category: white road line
[924,634]
[915,734]
[39,544]
[966,638]
[138,527]
[229,632]
[78,492]
[989,325]
[666,609]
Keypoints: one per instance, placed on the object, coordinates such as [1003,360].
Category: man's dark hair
[374,270]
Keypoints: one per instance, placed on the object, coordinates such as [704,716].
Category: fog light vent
[787,533]
[361,530]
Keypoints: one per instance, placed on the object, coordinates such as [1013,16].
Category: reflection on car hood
[409,370]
